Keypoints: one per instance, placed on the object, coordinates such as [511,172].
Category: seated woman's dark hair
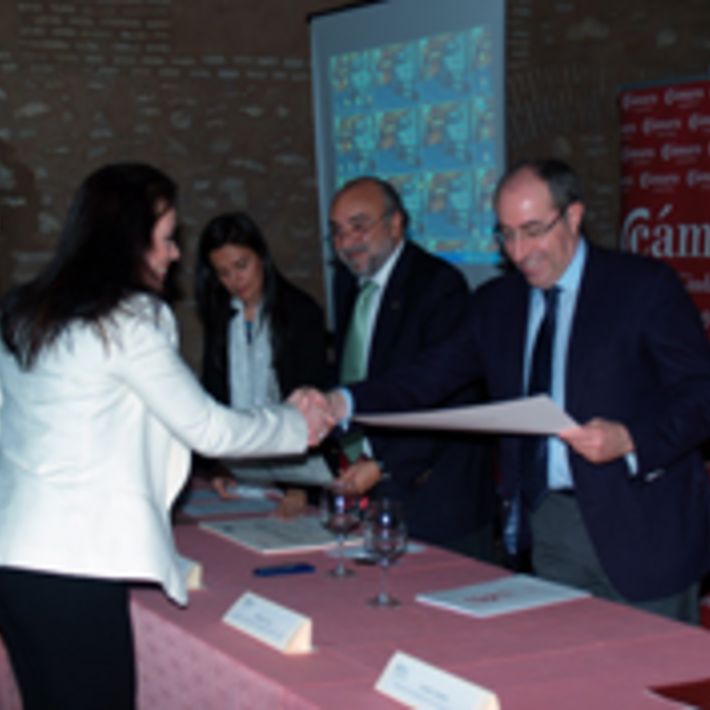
[237,229]
[214,301]
[100,259]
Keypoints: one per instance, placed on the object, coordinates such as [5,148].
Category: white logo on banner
[698,121]
[673,96]
[639,100]
[638,155]
[658,181]
[664,239]
[661,125]
[697,178]
[673,151]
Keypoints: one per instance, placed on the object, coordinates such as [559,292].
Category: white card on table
[191,572]
[269,622]
[420,685]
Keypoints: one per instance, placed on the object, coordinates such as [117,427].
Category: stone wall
[566,61]
[217,93]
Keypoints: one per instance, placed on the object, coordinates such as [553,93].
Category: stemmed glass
[385,539]
[339,513]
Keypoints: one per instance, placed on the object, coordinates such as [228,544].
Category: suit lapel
[511,351]
[589,323]
[391,311]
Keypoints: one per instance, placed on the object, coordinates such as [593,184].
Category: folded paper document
[501,596]
[418,684]
[191,571]
[278,626]
[528,415]
[274,535]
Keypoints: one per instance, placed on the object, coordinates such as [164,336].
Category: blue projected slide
[420,113]
[411,91]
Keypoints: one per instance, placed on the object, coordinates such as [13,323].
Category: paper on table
[205,502]
[310,470]
[502,596]
[528,415]
[275,535]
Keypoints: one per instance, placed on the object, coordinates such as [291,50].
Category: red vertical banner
[665,180]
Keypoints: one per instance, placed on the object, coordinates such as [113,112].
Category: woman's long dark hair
[213,300]
[99,260]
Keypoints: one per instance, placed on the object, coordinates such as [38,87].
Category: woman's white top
[252,378]
[94,447]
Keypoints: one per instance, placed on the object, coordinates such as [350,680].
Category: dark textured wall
[217,93]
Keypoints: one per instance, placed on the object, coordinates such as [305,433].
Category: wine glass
[339,513]
[385,539]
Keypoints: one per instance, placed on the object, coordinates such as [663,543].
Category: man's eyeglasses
[358,228]
[505,236]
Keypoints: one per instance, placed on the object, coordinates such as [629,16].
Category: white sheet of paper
[274,535]
[269,622]
[528,415]
[420,685]
[502,596]
[308,470]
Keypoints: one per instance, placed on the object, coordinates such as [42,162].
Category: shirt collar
[381,276]
[572,277]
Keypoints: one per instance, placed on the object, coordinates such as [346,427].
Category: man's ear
[575,215]
[397,224]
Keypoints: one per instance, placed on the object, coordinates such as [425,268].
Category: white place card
[191,572]
[269,622]
[418,684]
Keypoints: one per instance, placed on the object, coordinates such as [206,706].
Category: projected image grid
[421,115]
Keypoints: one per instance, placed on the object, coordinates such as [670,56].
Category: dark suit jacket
[637,354]
[445,481]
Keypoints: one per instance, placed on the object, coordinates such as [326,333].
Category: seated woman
[263,337]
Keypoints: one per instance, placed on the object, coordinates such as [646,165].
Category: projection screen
[413,91]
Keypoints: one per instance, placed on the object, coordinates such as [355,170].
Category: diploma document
[502,596]
[275,535]
[528,415]
[309,470]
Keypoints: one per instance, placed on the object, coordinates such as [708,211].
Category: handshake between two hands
[322,411]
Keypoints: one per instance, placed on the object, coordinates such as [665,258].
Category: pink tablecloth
[582,654]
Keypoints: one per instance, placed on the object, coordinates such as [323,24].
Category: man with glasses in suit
[619,505]
[393,301]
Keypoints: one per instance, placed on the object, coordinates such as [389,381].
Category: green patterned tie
[353,366]
[354,363]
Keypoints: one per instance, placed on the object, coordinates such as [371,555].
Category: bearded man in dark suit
[418,300]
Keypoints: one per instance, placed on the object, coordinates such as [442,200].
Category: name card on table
[269,622]
[191,572]
[420,685]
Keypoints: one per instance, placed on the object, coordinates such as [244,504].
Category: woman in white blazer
[98,417]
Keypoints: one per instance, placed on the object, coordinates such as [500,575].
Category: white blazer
[95,445]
